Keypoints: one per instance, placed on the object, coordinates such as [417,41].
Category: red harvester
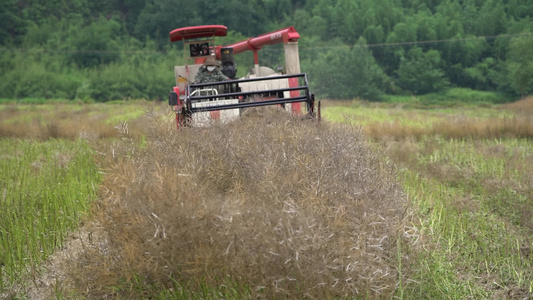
[199,104]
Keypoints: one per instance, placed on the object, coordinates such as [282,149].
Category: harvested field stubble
[91,122]
[279,206]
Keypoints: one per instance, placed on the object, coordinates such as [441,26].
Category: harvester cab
[200,104]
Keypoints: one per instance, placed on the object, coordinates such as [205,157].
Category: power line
[527,34]
[144,52]
[82,52]
[450,40]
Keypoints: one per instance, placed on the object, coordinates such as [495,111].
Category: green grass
[465,96]
[119,111]
[124,115]
[30,110]
[365,113]
[453,97]
[42,112]
[35,101]
[472,200]
[474,253]
[46,189]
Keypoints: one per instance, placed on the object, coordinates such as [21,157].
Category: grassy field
[467,173]
[379,201]
[49,178]
[47,188]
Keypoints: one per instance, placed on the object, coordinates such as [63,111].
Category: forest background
[101,50]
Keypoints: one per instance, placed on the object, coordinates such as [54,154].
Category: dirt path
[53,278]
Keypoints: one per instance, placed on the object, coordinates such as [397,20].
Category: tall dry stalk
[284,206]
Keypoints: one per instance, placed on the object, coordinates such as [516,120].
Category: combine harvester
[200,104]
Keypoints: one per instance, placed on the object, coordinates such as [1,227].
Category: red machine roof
[197,32]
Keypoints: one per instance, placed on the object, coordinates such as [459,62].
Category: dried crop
[279,206]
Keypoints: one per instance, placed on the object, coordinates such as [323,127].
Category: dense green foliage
[103,50]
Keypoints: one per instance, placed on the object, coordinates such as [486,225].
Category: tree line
[119,49]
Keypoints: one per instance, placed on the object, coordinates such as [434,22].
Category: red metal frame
[285,35]
[194,32]
[255,44]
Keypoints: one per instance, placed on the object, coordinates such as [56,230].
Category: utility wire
[451,40]
[144,52]
[527,34]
